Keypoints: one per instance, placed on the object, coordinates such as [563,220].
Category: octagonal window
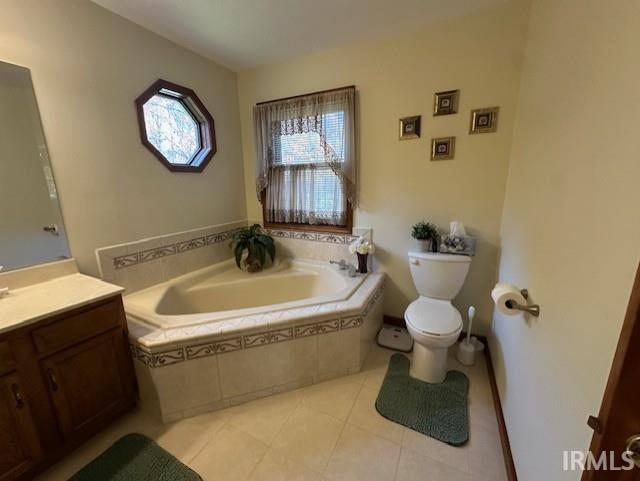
[176,127]
[171,129]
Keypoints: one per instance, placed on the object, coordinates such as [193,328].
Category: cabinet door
[90,383]
[19,445]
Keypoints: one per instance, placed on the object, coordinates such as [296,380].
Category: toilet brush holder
[466,353]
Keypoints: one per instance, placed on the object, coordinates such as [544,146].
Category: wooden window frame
[330,229]
[196,109]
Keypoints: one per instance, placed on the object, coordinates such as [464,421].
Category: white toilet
[432,321]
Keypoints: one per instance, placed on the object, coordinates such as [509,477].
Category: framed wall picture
[410,127]
[446,103]
[443,148]
[484,120]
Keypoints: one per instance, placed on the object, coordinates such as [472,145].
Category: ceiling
[243,34]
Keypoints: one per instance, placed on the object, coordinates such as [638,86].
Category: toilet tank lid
[435,256]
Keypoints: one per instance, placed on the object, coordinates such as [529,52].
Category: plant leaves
[239,249]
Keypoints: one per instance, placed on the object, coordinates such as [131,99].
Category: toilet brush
[466,353]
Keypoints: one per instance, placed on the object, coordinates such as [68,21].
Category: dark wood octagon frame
[200,114]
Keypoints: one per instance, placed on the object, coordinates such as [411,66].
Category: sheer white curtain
[306,157]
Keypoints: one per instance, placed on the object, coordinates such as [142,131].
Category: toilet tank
[438,276]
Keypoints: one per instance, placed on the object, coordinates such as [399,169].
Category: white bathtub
[219,336]
[222,291]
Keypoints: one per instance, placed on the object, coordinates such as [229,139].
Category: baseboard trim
[394,321]
[502,427]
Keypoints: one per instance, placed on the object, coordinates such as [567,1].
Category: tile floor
[325,432]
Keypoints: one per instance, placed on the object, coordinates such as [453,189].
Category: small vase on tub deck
[362,248]
[362,263]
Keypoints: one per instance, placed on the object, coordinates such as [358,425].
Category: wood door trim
[628,340]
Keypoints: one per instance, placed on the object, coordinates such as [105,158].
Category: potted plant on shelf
[425,234]
[362,248]
[257,245]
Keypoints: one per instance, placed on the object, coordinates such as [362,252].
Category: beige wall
[397,77]
[570,232]
[88,66]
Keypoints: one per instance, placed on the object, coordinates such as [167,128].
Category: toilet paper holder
[534,309]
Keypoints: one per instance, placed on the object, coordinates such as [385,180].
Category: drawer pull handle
[15,390]
[52,380]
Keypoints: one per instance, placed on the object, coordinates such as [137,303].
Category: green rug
[437,410]
[135,457]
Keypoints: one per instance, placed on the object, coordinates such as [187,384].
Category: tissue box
[458,244]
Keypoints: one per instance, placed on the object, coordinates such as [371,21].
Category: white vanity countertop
[29,304]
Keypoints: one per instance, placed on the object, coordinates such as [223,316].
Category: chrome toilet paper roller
[510,300]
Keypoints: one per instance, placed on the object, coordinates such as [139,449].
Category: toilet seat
[433,317]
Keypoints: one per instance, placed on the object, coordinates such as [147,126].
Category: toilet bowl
[432,321]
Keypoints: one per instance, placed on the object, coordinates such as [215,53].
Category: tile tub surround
[186,371]
[144,263]
[317,245]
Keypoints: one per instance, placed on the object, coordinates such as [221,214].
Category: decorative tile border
[212,348]
[313,236]
[314,329]
[147,255]
[351,322]
[248,341]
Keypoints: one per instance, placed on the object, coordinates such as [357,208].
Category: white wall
[570,231]
[88,66]
[397,77]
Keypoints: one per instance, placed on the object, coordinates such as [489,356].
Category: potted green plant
[425,233]
[258,246]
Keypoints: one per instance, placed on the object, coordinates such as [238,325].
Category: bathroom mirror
[31,227]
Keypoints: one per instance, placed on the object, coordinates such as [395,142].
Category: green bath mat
[135,457]
[437,410]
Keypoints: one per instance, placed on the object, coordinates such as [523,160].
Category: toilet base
[429,364]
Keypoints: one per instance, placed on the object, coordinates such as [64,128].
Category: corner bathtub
[220,336]
[224,292]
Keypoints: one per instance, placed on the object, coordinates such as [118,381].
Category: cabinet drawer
[77,327]
[7,362]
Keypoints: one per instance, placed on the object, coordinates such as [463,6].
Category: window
[176,127]
[309,164]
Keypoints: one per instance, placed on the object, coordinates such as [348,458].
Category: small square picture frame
[443,148]
[484,121]
[410,127]
[446,103]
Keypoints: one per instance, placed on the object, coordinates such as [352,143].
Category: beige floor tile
[378,357]
[276,467]
[365,416]
[374,378]
[335,398]
[264,418]
[360,455]
[308,437]
[185,439]
[230,456]
[309,441]
[485,454]
[417,467]
[454,456]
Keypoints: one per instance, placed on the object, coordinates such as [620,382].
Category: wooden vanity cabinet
[62,380]
[20,449]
